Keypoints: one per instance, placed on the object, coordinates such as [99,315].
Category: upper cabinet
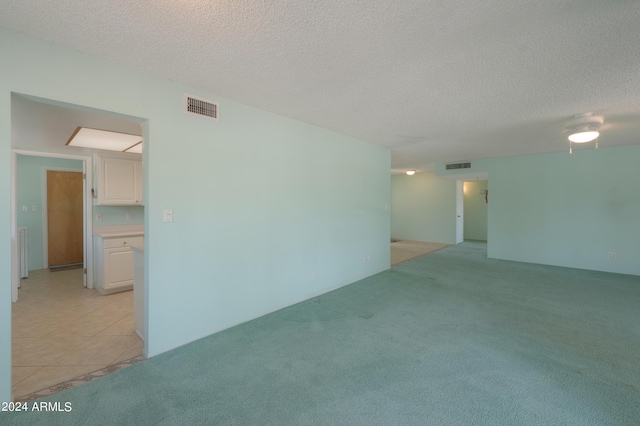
[118,180]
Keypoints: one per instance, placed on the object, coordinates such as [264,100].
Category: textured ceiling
[434,80]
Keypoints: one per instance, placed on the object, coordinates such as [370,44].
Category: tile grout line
[27,376]
[69,351]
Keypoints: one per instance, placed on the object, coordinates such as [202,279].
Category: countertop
[118,231]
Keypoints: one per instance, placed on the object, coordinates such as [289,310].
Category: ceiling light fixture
[583,133]
[85,137]
[585,136]
[411,172]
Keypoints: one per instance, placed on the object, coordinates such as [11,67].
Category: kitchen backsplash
[112,215]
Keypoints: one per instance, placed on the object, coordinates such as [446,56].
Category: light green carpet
[452,338]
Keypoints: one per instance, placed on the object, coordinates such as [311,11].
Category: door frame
[460,178]
[87,214]
[459,211]
[45,213]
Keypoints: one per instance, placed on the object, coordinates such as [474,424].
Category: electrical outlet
[25,208]
[314,274]
[612,255]
[129,216]
[34,208]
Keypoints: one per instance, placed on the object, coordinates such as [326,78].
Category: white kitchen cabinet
[114,261]
[118,180]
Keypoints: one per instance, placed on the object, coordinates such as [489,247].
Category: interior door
[65,218]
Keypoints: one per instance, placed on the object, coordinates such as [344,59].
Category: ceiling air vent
[458,166]
[201,107]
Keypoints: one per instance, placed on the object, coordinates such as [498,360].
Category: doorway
[69,218]
[53,322]
[466,208]
[476,208]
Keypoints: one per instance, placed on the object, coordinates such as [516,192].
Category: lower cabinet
[114,263]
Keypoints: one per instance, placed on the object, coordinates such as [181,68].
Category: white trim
[15,273]
[87,212]
[459,211]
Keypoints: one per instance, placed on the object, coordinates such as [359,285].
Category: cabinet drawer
[123,242]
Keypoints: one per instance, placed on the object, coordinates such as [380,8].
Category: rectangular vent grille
[201,107]
[458,166]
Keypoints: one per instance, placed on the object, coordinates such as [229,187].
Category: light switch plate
[168,215]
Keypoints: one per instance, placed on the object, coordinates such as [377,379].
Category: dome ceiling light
[584,136]
[585,128]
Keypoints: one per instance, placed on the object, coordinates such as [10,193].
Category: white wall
[423,208]
[259,200]
[566,209]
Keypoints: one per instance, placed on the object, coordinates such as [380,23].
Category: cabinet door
[119,182]
[118,267]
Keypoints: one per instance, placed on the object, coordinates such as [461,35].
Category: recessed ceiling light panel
[103,139]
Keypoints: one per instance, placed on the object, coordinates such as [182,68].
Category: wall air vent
[201,107]
[458,166]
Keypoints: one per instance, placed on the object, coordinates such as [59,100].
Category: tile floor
[405,250]
[61,330]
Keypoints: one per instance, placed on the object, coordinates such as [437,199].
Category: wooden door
[64,218]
